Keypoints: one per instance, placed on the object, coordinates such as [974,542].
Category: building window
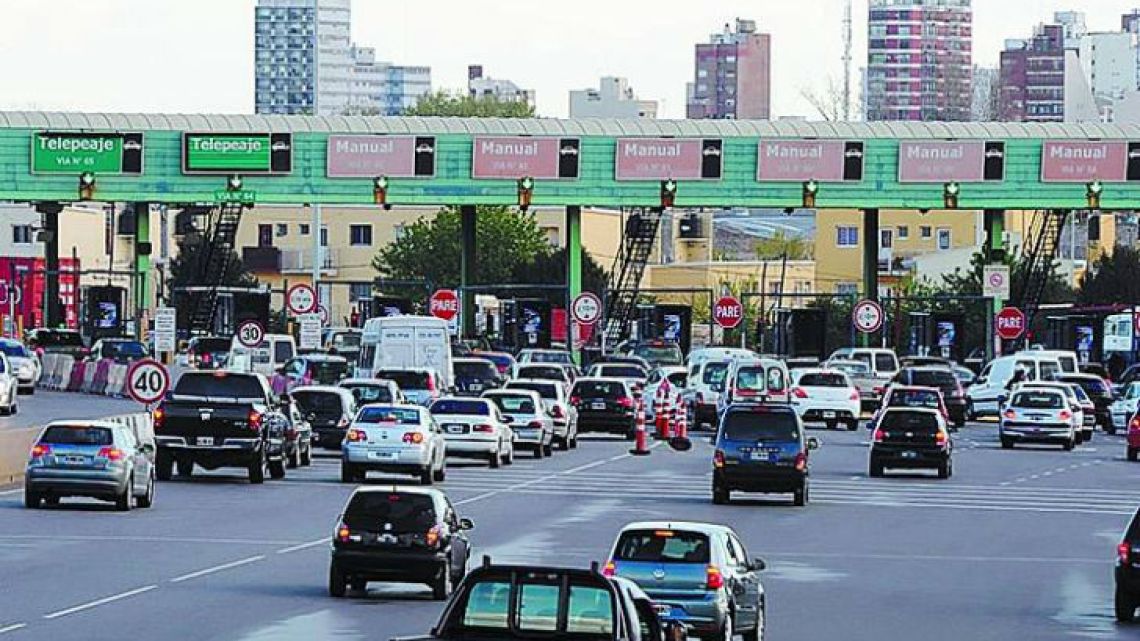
[886,238]
[847,236]
[903,232]
[926,231]
[943,239]
[359,291]
[304,229]
[282,230]
[360,235]
[21,234]
[847,289]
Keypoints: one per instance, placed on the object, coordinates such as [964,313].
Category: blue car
[761,448]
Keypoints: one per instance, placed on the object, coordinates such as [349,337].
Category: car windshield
[757,425]
[59,339]
[660,354]
[852,368]
[15,350]
[513,403]
[369,393]
[921,422]
[219,384]
[1038,400]
[914,398]
[885,363]
[315,401]
[714,374]
[77,435]
[394,512]
[663,546]
[406,380]
[621,371]
[545,390]
[395,415]
[549,357]
[823,379]
[461,407]
[127,349]
[1091,386]
[598,389]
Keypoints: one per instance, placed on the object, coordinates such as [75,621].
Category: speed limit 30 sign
[250,334]
[148,381]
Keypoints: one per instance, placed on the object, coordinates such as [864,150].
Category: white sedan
[475,428]
[393,438]
[9,387]
[826,396]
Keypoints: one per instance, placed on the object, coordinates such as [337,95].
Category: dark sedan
[1099,392]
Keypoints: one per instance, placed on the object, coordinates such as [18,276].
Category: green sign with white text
[210,153]
[76,153]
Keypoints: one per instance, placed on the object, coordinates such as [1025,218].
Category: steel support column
[573,268]
[870,259]
[467,269]
[994,252]
[52,312]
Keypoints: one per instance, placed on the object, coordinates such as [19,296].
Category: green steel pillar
[573,267]
[870,260]
[994,253]
[142,264]
[467,269]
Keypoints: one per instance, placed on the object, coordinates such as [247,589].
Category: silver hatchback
[96,459]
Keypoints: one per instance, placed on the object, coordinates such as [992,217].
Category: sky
[178,56]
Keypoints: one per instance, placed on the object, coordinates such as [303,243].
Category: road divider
[104,377]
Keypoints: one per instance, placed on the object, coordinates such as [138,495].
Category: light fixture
[380,191]
[668,193]
[526,192]
[1093,190]
[950,193]
[86,185]
[811,188]
[234,183]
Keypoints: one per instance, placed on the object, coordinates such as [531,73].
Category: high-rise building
[481,86]
[1033,77]
[306,64]
[733,75]
[1109,62]
[613,98]
[919,60]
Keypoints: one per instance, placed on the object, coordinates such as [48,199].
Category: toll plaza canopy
[462,161]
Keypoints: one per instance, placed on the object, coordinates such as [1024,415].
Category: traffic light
[86,185]
[668,193]
[811,188]
[380,191]
[234,183]
[950,193]
[526,192]
[1093,191]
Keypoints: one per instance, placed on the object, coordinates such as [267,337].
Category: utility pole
[847,44]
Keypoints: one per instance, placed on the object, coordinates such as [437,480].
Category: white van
[396,342]
[272,353]
[982,397]
[1065,358]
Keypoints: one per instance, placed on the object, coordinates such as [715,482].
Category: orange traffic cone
[681,442]
[641,441]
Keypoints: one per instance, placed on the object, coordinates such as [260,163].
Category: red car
[1134,438]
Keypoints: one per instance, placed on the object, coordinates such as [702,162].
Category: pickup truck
[504,602]
[221,419]
[870,387]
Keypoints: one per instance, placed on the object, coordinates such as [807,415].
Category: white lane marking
[302,546]
[13,627]
[98,602]
[218,568]
[148,539]
[931,557]
[6,493]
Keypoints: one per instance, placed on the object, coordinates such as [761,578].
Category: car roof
[672,369]
[692,526]
[82,422]
[395,406]
[322,356]
[477,399]
[600,379]
[331,389]
[399,489]
[928,368]
[379,382]
[914,388]
[819,370]
[473,359]
[513,391]
[417,370]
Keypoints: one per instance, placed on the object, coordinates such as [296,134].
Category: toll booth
[801,333]
[674,323]
[1081,333]
[532,323]
[104,312]
[937,334]
[384,306]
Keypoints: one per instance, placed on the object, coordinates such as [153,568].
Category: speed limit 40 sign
[148,381]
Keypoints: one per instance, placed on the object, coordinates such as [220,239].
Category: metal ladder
[641,227]
[1038,255]
[218,246]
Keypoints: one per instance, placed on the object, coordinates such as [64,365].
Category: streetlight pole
[316,249]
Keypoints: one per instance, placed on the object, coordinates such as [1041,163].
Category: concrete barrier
[15,444]
[62,375]
[116,379]
[78,375]
[48,363]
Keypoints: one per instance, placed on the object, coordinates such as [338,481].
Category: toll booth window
[590,611]
[538,608]
[487,606]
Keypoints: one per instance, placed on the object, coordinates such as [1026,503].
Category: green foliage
[1112,279]
[780,245]
[459,105]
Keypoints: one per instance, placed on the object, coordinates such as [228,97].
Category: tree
[459,105]
[828,103]
[1112,278]
[780,245]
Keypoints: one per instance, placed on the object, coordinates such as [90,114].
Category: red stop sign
[1010,323]
[728,312]
[444,304]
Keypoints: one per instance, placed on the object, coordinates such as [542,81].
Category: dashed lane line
[98,602]
[218,568]
[13,627]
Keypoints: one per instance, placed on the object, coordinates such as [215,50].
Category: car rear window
[548,372]
[502,361]
[678,379]
[512,404]
[714,373]
[212,345]
[327,371]
[923,422]
[885,363]
[750,378]
[588,614]
[77,435]
[1038,400]
[221,384]
[59,339]
[14,349]
[405,512]
[753,425]
[318,401]
[621,371]
[852,368]
[126,349]
[405,379]
[549,357]
[1091,386]
[456,406]
[659,354]
[598,389]
[545,390]
[663,546]
[400,415]
[934,379]
[823,380]
[482,370]
[364,393]
[914,398]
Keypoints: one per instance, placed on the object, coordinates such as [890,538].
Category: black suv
[911,438]
[604,404]
[761,448]
[942,379]
[1128,572]
[407,535]
[1099,392]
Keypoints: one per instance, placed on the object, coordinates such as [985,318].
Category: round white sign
[250,334]
[148,381]
[302,299]
[587,308]
[867,316]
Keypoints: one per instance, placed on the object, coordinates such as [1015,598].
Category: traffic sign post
[1010,323]
[444,304]
[587,308]
[728,312]
[165,330]
[250,334]
[301,299]
[310,333]
[867,316]
[148,381]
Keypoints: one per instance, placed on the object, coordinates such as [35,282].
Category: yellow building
[746,277]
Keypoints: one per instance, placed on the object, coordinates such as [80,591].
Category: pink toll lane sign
[939,161]
[1082,161]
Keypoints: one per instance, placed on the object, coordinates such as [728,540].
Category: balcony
[261,260]
[301,260]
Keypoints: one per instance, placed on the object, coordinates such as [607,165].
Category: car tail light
[609,569]
[483,428]
[1066,415]
[204,358]
[799,392]
[718,458]
[625,401]
[879,435]
[575,400]
[40,450]
[801,462]
[714,580]
[432,537]
[744,392]
[158,416]
[357,436]
[413,438]
[343,533]
[537,425]
[940,437]
[1134,426]
[879,390]
[254,420]
[1123,551]
[1010,414]
[854,395]
[557,412]
[111,453]
[430,384]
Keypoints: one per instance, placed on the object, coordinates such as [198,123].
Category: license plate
[455,429]
[910,454]
[75,460]
[204,440]
[598,406]
[382,456]
[763,456]
[476,387]
[829,414]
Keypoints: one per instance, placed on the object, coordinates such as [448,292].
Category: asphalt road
[1018,545]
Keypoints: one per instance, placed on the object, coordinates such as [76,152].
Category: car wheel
[338,586]
[347,473]
[852,425]
[971,414]
[32,499]
[277,469]
[164,466]
[426,476]
[1110,428]
[359,585]
[1070,444]
[307,455]
[441,587]
[185,468]
[574,442]
[875,469]
[960,422]
[147,500]
[548,449]
[257,469]
[564,444]
[440,475]
[31,391]
[757,633]
[726,631]
[1125,606]
[509,457]
[800,497]
[1006,443]
[830,425]
[494,460]
[294,460]
[721,495]
[944,470]
[1133,453]
[538,452]
[124,501]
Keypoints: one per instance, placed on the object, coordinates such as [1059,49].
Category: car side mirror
[757,565]
[466,524]
[813,443]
